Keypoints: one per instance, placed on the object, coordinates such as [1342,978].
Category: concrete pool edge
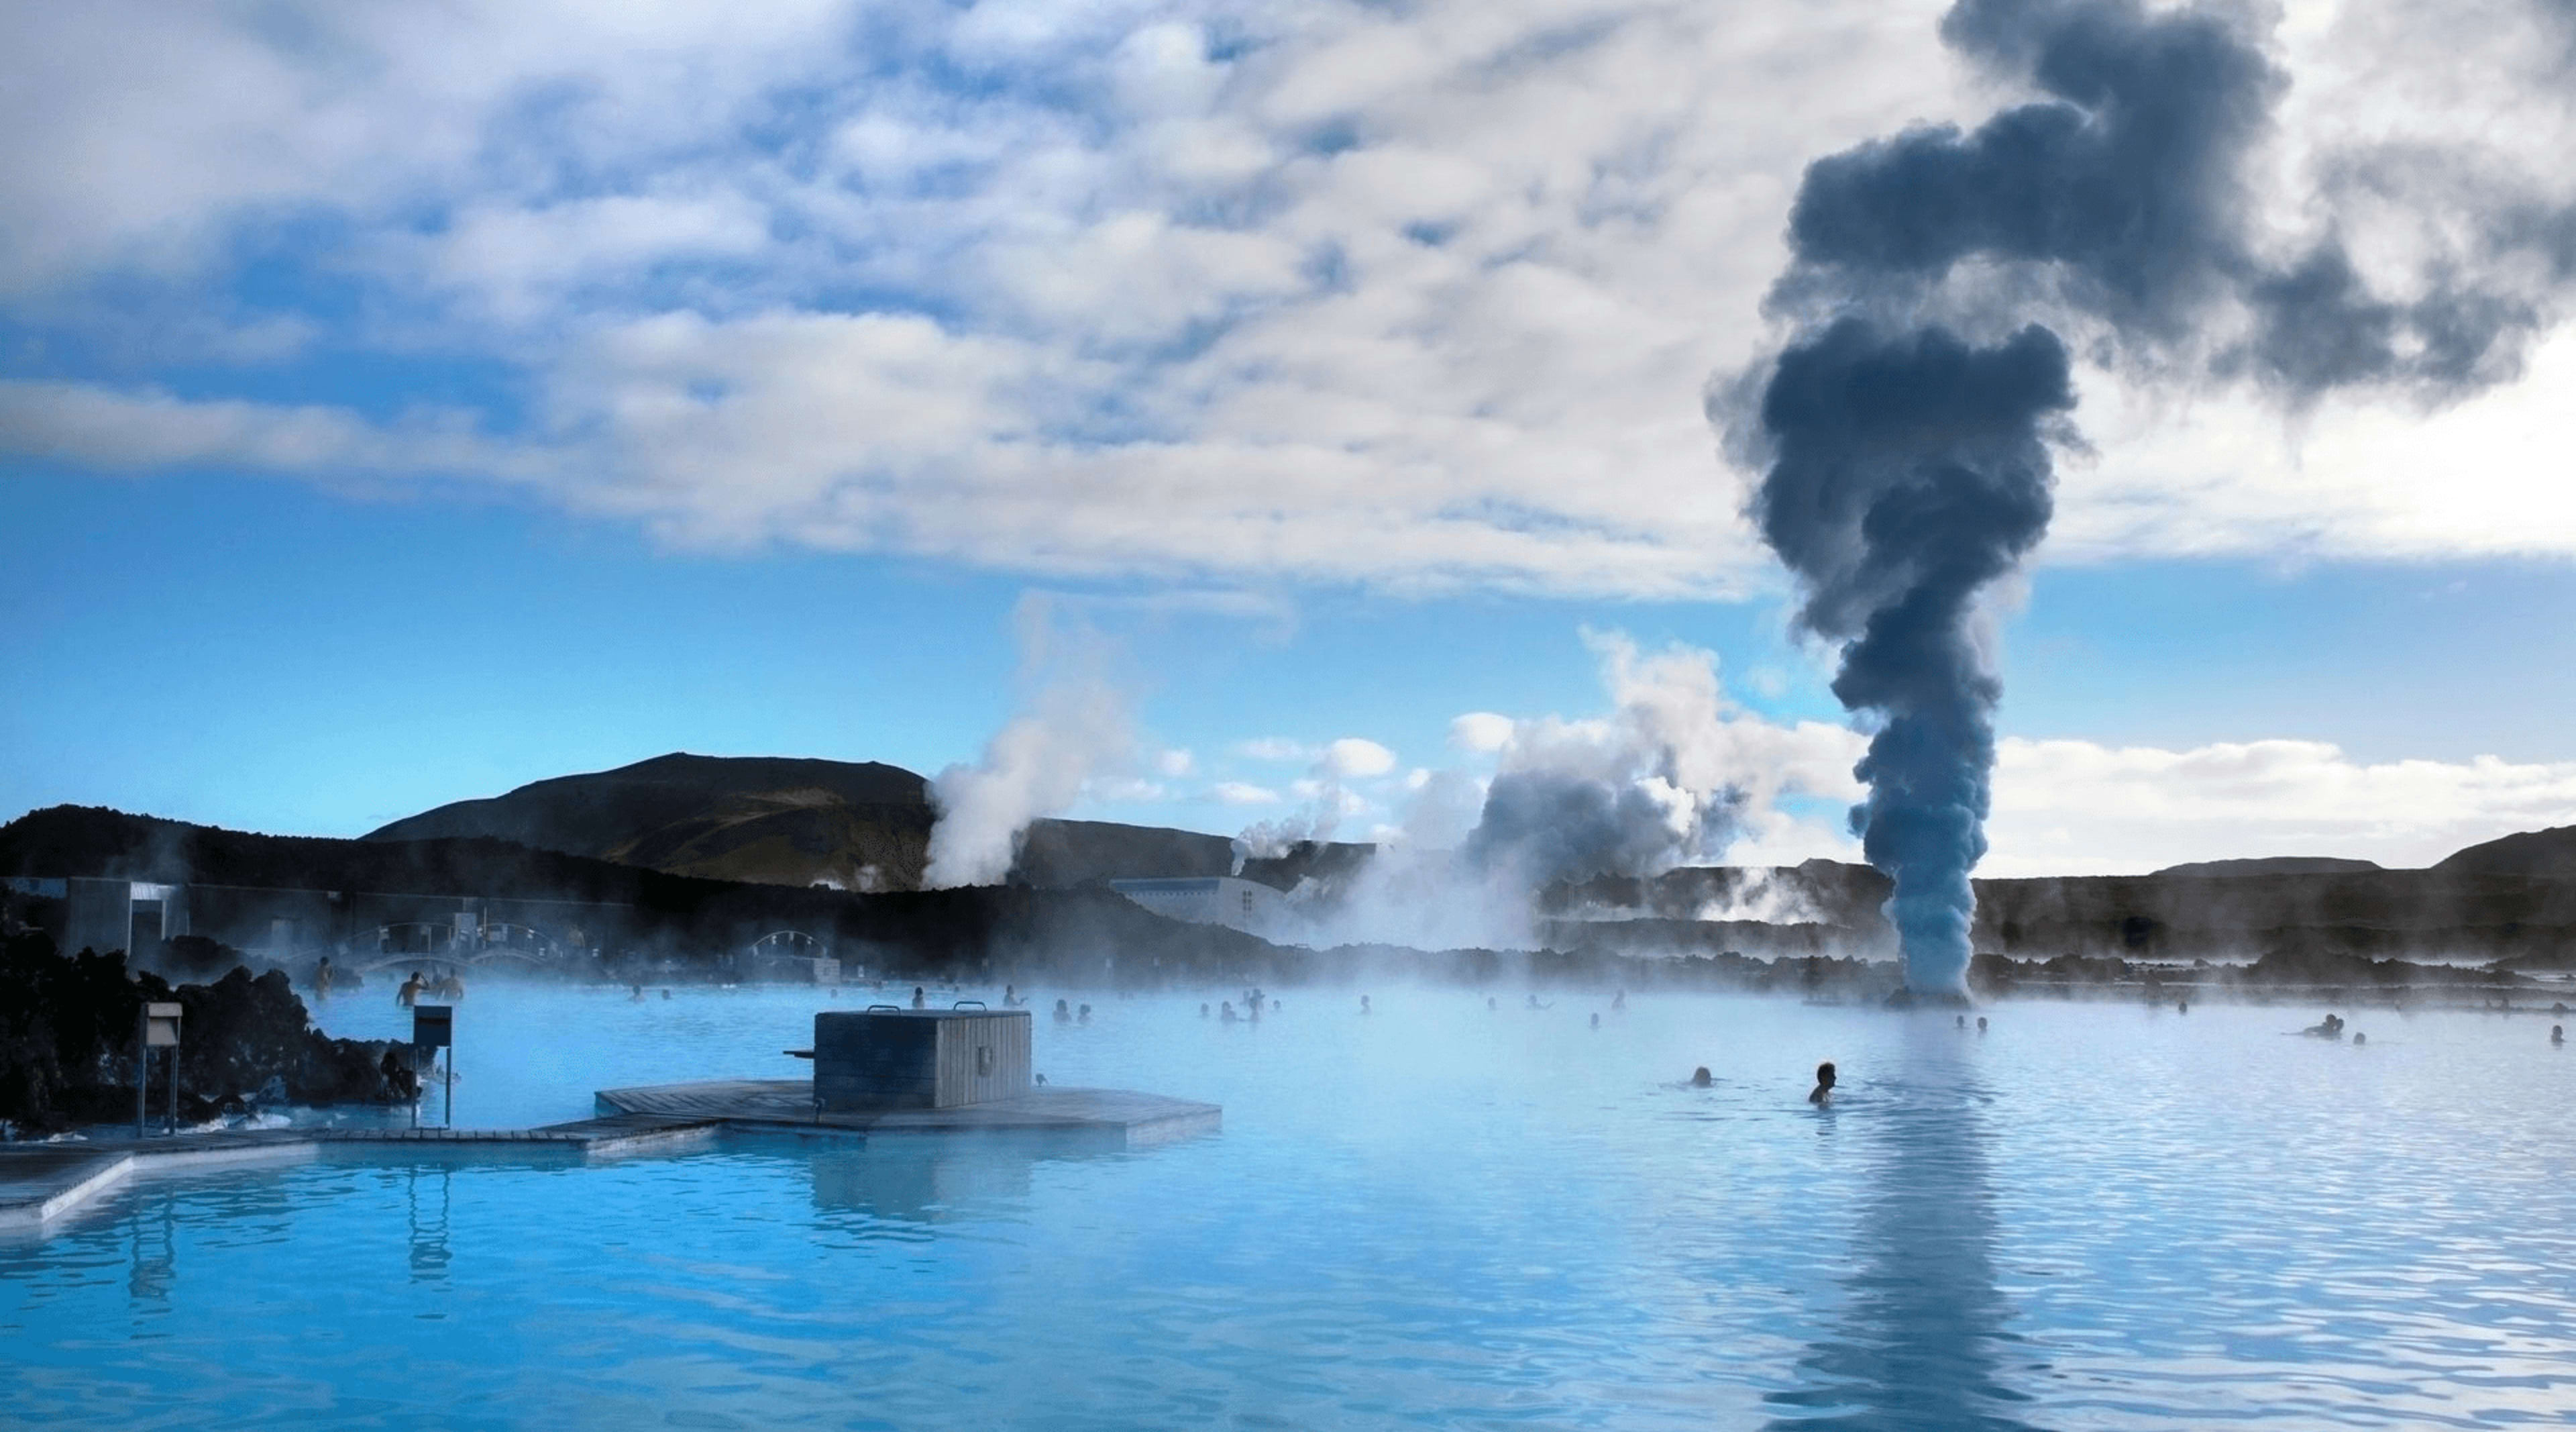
[41,1183]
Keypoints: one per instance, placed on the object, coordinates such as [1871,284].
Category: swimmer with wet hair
[919,1001]
[1227,1014]
[1063,1012]
[1699,1078]
[1981,1024]
[1824,1091]
[1960,1023]
[2359,1040]
[1084,1015]
[2557,1034]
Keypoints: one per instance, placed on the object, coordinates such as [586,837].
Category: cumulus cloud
[2076,808]
[1417,297]
[1480,732]
[1354,756]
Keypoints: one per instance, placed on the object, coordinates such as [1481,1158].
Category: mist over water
[1437,1211]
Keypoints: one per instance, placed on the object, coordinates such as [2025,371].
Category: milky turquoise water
[1436,1215]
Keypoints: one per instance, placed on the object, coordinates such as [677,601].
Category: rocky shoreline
[67,1030]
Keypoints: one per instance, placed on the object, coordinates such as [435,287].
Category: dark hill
[2266,865]
[2505,900]
[782,821]
[772,820]
[630,913]
[2549,854]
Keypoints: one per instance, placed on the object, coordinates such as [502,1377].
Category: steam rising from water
[1672,774]
[1075,726]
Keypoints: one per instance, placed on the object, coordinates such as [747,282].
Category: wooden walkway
[1117,1118]
[41,1182]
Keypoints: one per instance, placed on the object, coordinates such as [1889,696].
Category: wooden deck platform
[1118,1118]
[41,1182]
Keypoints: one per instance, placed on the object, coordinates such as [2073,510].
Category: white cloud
[1174,761]
[2073,808]
[1239,793]
[1480,732]
[1354,756]
[1416,298]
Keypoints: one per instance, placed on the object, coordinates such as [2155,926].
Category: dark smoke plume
[1911,473]
[1906,427]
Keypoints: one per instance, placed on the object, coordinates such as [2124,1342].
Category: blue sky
[394,409]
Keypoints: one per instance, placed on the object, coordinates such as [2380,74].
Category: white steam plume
[1074,726]
[1673,774]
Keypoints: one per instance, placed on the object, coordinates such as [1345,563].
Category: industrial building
[1208,900]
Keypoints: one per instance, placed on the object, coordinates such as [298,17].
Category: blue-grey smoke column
[1911,471]
[1905,428]
[1908,459]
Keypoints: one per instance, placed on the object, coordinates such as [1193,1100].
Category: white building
[1207,900]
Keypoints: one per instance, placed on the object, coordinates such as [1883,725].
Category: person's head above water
[2557,1034]
[1699,1078]
[1824,1083]
[1981,1024]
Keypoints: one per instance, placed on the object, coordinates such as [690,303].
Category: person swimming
[1534,1004]
[2329,1027]
[1596,1019]
[1364,1005]
[1824,1090]
[2182,1006]
[409,994]
[638,996]
[919,1000]
[1084,1016]
[2359,1040]
[1981,1024]
[1961,1023]
[2557,1034]
[1699,1078]
[1063,1012]
[1226,1012]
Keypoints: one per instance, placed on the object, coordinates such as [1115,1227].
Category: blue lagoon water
[1436,1215]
